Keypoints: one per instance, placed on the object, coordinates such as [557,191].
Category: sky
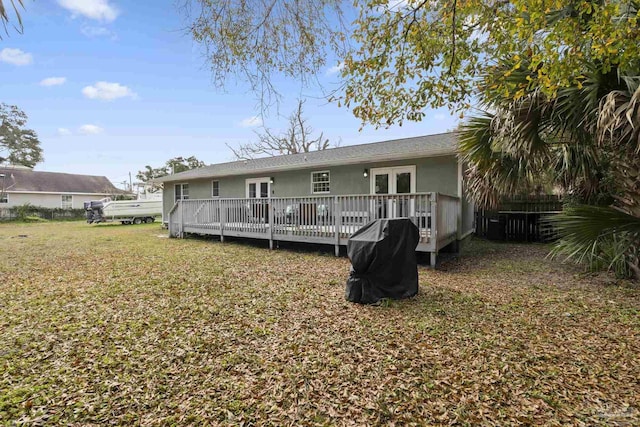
[113,85]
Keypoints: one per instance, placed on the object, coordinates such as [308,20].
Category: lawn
[118,325]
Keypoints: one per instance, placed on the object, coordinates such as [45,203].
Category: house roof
[397,149]
[27,180]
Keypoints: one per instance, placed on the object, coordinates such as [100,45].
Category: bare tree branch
[297,138]
[453,36]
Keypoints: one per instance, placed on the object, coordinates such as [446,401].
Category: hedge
[23,212]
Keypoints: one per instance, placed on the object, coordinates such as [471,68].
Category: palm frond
[575,109]
[619,118]
[597,235]
[4,15]
[494,170]
[475,139]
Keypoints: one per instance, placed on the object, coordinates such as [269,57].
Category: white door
[258,188]
[394,180]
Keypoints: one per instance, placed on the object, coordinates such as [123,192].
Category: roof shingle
[28,180]
[424,146]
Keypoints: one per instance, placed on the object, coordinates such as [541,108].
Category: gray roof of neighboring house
[397,149]
[27,180]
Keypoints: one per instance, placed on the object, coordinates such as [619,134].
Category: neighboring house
[384,171]
[20,185]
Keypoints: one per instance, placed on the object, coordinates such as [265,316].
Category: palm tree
[585,140]
[513,145]
[4,14]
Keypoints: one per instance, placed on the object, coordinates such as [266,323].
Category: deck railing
[175,220]
[317,219]
[448,216]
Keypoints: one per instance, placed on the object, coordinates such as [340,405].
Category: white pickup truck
[125,211]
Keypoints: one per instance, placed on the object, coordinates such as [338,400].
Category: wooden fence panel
[519,218]
[514,226]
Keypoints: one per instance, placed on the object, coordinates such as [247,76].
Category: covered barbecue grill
[383,259]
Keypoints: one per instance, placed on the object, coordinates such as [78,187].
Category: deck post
[181,219]
[221,214]
[270,220]
[460,197]
[337,220]
[435,220]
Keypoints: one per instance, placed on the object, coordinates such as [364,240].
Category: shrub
[28,212]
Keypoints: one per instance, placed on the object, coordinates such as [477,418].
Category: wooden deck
[322,219]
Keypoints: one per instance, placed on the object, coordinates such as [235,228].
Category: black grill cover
[383,260]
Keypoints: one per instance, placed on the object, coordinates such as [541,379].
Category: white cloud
[92,32]
[335,69]
[53,81]
[15,56]
[439,116]
[252,121]
[99,10]
[64,131]
[108,91]
[90,130]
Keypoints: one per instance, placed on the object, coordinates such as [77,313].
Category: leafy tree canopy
[174,165]
[259,40]
[18,145]
[400,57]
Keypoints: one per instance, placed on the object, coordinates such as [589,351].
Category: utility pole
[130,184]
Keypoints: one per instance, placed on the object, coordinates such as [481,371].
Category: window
[382,183]
[4,198]
[67,201]
[215,188]
[182,192]
[320,182]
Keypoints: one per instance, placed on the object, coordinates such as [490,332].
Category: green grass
[115,324]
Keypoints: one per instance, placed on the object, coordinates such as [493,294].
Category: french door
[394,180]
[258,188]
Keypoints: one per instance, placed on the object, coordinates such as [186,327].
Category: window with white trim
[67,201]
[181,192]
[320,182]
[215,188]
[4,198]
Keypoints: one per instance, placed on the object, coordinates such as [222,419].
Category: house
[324,196]
[20,185]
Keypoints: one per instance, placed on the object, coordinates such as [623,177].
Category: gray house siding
[432,174]
[198,189]
[437,174]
